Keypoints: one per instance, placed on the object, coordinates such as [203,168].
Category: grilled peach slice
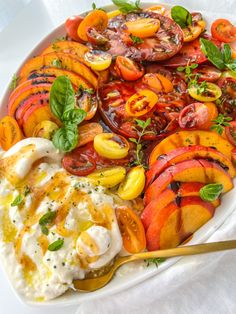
[201,170]
[187,138]
[66,61]
[187,153]
[173,224]
[34,115]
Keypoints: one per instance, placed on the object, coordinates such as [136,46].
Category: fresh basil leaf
[62,96]
[44,230]
[56,245]
[227,54]
[66,138]
[74,116]
[181,16]
[211,192]
[47,218]
[232,66]
[140,123]
[212,53]
[127,6]
[17,201]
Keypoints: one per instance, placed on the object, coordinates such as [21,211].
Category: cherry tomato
[141,103]
[78,163]
[87,132]
[89,103]
[210,93]
[158,82]
[227,101]
[97,19]
[10,132]
[110,145]
[95,38]
[114,13]
[197,115]
[108,177]
[223,30]
[207,73]
[133,184]
[230,132]
[98,60]
[160,9]
[143,28]
[193,31]
[72,24]
[128,69]
[132,230]
[45,129]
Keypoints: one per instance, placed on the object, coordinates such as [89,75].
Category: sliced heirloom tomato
[210,93]
[223,30]
[194,31]
[97,19]
[133,184]
[87,132]
[72,24]
[95,38]
[158,82]
[110,145]
[228,99]
[10,132]
[45,129]
[142,28]
[128,69]
[78,164]
[131,229]
[198,115]
[98,60]
[230,132]
[141,103]
[207,73]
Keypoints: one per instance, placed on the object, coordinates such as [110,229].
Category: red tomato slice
[72,24]
[223,30]
[95,38]
[230,132]
[228,99]
[78,163]
[128,69]
[193,116]
[131,229]
[207,73]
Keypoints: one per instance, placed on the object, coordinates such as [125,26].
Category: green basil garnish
[56,245]
[66,138]
[181,16]
[211,192]
[74,116]
[47,218]
[128,6]
[17,201]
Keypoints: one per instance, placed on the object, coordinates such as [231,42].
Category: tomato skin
[230,132]
[72,24]
[89,103]
[78,163]
[223,30]
[132,230]
[128,69]
[95,38]
[207,73]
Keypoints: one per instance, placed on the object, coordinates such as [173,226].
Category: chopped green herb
[44,230]
[82,90]
[62,38]
[190,78]
[26,190]
[202,88]
[47,218]
[155,261]
[220,122]
[17,201]
[211,192]
[14,81]
[56,245]
[56,63]
[136,40]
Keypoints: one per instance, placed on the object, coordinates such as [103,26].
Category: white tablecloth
[202,284]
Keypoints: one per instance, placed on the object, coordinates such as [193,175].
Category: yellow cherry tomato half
[114,13]
[98,60]
[158,82]
[45,129]
[133,184]
[228,74]
[110,145]
[108,177]
[141,103]
[193,31]
[210,92]
[143,28]
[160,9]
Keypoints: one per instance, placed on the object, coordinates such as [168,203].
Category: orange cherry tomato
[160,9]
[143,28]
[128,69]
[141,103]
[198,115]
[230,132]
[193,31]
[10,132]
[223,30]
[87,132]
[72,24]
[158,82]
[89,103]
[97,19]
[131,229]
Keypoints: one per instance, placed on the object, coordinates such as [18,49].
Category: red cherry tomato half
[228,98]
[230,132]
[223,30]
[207,73]
[78,164]
[128,69]
[72,24]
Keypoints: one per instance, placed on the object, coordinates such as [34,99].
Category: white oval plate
[138,275]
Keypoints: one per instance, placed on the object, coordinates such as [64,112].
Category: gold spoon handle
[187,250]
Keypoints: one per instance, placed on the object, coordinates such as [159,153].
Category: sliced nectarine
[189,171]
[173,224]
[66,61]
[187,138]
[24,93]
[187,153]
[34,115]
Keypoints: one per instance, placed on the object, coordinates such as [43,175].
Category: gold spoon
[92,284]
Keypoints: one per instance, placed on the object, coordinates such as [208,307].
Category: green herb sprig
[56,63]
[62,105]
[220,122]
[136,40]
[211,192]
[14,81]
[17,201]
[45,220]
[56,245]
[128,6]
[181,16]
[155,261]
[191,79]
